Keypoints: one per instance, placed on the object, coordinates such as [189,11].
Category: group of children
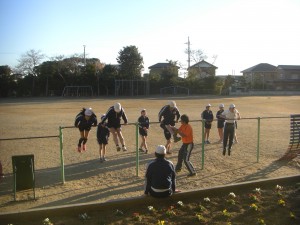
[168,116]
[207,114]
[87,118]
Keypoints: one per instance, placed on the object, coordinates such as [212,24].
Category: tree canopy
[131,63]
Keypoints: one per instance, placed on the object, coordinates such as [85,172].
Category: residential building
[163,68]
[265,76]
[202,69]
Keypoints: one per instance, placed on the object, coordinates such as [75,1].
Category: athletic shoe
[141,150]
[207,142]
[224,151]
[118,148]
[104,159]
[79,149]
[146,152]
[176,139]
[101,160]
[192,174]
[169,152]
[124,148]
[84,147]
[229,150]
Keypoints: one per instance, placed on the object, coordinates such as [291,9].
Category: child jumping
[102,138]
[143,130]
[84,121]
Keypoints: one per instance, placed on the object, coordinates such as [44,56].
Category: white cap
[221,105]
[208,105]
[117,107]
[88,112]
[232,106]
[172,104]
[161,149]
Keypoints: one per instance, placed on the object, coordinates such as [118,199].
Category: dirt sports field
[88,180]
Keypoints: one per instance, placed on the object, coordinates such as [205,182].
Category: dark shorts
[103,141]
[114,125]
[220,124]
[84,128]
[166,132]
[143,132]
[207,125]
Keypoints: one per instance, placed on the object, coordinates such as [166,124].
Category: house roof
[203,64]
[289,67]
[161,66]
[262,67]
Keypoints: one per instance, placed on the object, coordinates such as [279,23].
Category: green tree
[7,82]
[131,62]
[107,78]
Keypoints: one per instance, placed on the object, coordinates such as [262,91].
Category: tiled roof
[203,64]
[161,66]
[289,67]
[262,67]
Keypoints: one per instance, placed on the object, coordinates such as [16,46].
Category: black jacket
[168,115]
[114,117]
[160,174]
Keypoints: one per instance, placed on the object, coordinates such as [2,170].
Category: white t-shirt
[231,116]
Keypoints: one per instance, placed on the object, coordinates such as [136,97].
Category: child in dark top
[102,138]
[220,123]
[84,121]
[208,116]
[143,130]
[113,117]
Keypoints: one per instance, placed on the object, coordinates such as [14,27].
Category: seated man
[160,175]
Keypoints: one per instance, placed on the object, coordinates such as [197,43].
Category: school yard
[89,181]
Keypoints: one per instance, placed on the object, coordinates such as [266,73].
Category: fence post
[258,139]
[62,165]
[137,148]
[202,165]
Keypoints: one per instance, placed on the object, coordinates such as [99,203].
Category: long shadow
[95,195]
[83,170]
[262,174]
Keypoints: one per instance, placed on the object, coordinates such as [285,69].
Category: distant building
[268,77]
[161,68]
[202,69]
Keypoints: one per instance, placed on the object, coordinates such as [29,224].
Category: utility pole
[189,52]
[84,55]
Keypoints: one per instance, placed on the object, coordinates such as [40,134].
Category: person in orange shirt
[186,133]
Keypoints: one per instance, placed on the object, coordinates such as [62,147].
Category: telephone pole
[189,52]
[84,55]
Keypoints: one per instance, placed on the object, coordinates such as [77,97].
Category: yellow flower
[281,202]
[161,222]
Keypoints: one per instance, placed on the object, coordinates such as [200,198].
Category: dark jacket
[113,117]
[82,123]
[144,122]
[160,174]
[102,132]
[207,115]
[168,115]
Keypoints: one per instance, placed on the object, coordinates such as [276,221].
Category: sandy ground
[88,180]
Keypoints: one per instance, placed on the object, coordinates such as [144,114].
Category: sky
[241,33]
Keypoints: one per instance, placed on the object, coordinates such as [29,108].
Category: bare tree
[197,55]
[29,61]
[27,64]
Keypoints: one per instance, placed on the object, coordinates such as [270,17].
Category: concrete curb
[76,209]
